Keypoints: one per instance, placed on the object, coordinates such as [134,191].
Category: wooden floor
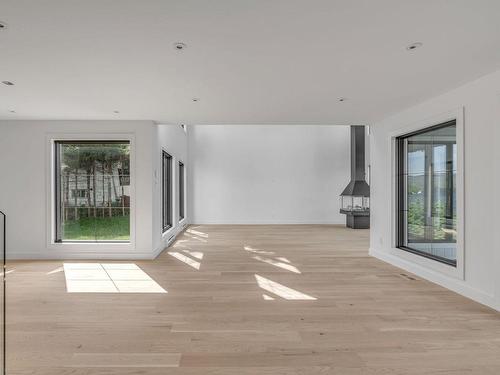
[265,300]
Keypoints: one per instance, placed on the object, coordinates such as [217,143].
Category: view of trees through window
[427,189]
[92,191]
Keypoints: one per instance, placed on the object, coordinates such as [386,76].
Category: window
[92,195]
[427,198]
[181,191]
[167,191]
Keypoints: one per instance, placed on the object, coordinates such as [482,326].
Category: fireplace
[355,199]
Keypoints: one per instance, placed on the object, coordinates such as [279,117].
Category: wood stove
[355,199]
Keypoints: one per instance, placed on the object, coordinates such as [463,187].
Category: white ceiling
[249,61]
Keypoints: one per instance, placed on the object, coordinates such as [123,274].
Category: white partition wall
[268,174]
[476,106]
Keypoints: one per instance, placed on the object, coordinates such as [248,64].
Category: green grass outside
[115,228]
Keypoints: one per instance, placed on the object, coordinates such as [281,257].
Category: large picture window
[92,191]
[426,188]
[181,191]
[166,191]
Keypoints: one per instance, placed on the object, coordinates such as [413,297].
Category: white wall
[259,174]
[480,101]
[25,176]
[172,139]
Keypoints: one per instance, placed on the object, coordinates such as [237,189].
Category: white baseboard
[456,285]
[266,222]
[100,253]
[82,255]
[165,244]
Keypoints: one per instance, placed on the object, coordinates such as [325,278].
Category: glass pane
[167,191]
[94,191]
[357,203]
[416,192]
[347,202]
[181,191]
[429,192]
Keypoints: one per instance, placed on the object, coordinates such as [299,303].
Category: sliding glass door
[427,209]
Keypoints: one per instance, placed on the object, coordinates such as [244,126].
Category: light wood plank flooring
[282,300]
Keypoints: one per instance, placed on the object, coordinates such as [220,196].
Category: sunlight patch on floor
[194,237]
[185,259]
[194,254]
[258,251]
[108,278]
[197,233]
[283,259]
[281,290]
[180,243]
[57,270]
[283,265]
[7,272]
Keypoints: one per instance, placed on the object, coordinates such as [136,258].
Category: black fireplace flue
[355,199]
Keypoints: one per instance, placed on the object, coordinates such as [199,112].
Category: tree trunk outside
[76,194]
[103,191]
[110,211]
[66,198]
[113,180]
[94,188]
[120,180]
[88,191]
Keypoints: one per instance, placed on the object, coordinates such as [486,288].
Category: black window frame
[166,189]
[57,232]
[182,201]
[401,195]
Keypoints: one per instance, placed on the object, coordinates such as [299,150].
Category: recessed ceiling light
[342,99]
[8,83]
[196,99]
[116,111]
[413,46]
[180,46]
[12,111]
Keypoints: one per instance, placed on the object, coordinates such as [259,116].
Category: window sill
[429,256]
[91,242]
[91,247]
[418,260]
